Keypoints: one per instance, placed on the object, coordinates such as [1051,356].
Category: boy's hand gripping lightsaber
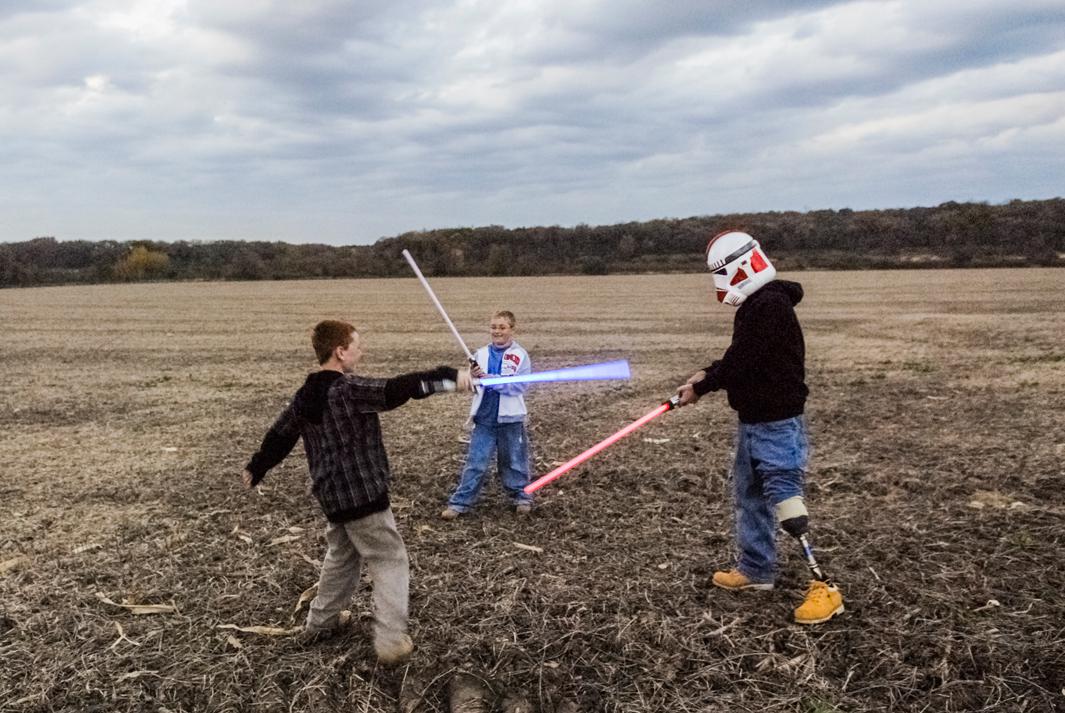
[439,307]
[558,472]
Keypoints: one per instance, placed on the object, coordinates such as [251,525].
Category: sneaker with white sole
[823,601]
[736,580]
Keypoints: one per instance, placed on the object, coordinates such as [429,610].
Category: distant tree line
[1018,233]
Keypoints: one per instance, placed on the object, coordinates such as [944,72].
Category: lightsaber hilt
[440,308]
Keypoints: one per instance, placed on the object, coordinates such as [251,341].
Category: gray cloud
[328,120]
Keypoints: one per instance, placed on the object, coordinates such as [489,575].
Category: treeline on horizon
[1018,233]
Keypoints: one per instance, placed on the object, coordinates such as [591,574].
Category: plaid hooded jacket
[337,417]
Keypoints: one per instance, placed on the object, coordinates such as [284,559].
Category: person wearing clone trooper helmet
[763,373]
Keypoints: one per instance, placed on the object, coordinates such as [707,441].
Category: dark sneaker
[309,637]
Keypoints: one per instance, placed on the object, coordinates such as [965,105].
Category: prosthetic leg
[795,520]
[823,599]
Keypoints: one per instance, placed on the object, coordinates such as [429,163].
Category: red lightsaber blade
[605,443]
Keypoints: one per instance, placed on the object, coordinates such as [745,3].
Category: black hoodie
[763,370]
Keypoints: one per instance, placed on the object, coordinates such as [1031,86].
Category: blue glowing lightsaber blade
[589,372]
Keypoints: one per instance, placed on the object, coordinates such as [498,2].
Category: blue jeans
[770,467]
[510,443]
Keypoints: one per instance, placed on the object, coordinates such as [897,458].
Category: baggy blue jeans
[510,443]
[770,467]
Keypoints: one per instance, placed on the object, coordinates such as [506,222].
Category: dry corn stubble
[130,411]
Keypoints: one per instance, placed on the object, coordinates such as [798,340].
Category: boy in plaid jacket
[336,414]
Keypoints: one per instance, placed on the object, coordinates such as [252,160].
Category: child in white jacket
[498,415]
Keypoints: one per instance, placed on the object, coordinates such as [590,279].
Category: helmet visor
[735,254]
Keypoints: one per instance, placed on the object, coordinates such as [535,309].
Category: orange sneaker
[823,601]
[737,580]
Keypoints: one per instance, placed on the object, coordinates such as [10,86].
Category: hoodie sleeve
[765,319]
[277,444]
[418,385]
[362,394]
[367,395]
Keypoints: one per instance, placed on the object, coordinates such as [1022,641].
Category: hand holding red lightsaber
[686,393]
[558,472]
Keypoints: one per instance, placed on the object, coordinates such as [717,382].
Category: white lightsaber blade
[439,307]
[588,372]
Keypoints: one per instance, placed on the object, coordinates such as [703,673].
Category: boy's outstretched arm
[422,384]
[278,443]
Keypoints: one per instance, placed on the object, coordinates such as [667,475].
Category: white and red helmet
[740,267]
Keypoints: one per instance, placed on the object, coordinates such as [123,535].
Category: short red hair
[328,335]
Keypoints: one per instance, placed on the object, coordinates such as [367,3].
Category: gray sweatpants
[375,540]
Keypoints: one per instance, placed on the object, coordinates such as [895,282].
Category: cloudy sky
[343,121]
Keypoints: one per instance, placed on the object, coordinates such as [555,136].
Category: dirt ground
[935,486]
